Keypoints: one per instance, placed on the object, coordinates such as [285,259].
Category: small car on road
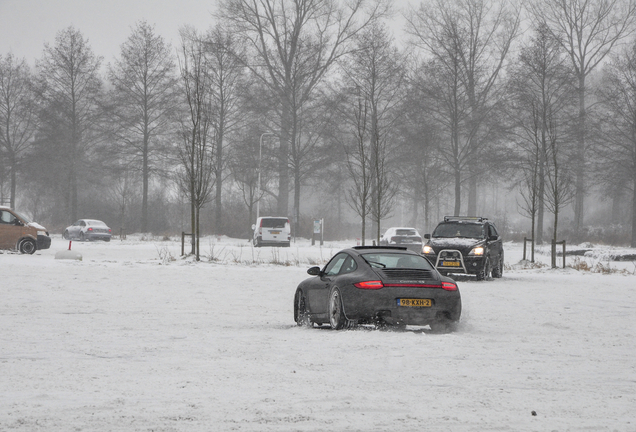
[88,229]
[378,285]
[272,231]
[402,236]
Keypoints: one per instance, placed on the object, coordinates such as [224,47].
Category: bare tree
[445,103]
[18,115]
[588,30]
[529,191]
[542,87]
[228,83]
[196,153]
[294,43]
[424,143]
[245,166]
[469,40]
[355,140]
[559,190]
[375,75]
[144,99]
[69,90]
[616,153]
[310,152]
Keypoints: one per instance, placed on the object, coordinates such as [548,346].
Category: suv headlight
[479,251]
[428,250]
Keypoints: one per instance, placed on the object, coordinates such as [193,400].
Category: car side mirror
[253,227]
[493,238]
[314,271]
[17,222]
[427,236]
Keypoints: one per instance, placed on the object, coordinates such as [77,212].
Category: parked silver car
[88,229]
[402,236]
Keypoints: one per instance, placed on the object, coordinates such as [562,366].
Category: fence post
[182,240]
[563,253]
[553,254]
[524,248]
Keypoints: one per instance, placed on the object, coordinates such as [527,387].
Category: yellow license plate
[274,232]
[415,302]
[451,264]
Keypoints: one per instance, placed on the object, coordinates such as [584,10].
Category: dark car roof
[359,250]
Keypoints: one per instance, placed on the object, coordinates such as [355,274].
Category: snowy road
[129,340]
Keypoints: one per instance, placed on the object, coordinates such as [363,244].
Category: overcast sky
[25,25]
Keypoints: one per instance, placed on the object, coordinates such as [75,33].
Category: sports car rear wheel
[301,315]
[336,313]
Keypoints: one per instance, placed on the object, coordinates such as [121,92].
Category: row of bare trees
[468,101]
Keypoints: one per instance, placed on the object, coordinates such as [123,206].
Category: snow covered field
[133,338]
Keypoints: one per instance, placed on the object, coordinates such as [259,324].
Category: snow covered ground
[134,338]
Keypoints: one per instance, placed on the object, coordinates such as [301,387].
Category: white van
[272,231]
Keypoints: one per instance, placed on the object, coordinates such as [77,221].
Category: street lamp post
[258,186]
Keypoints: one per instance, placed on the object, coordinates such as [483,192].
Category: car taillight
[109,231]
[449,286]
[412,285]
[90,229]
[369,284]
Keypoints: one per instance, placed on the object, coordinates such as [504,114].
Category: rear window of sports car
[396,260]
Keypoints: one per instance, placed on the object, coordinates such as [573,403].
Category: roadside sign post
[318,231]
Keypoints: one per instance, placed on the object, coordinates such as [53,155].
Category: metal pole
[258,187]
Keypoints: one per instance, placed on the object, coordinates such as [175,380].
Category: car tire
[257,242]
[484,273]
[81,237]
[65,236]
[107,239]
[28,246]
[301,315]
[336,311]
[497,271]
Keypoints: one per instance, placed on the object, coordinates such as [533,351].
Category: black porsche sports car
[380,285]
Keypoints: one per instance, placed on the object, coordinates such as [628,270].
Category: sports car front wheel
[336,313]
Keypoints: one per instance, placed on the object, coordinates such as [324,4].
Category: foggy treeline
[481,107]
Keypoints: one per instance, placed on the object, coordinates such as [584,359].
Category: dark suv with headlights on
[466,245]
